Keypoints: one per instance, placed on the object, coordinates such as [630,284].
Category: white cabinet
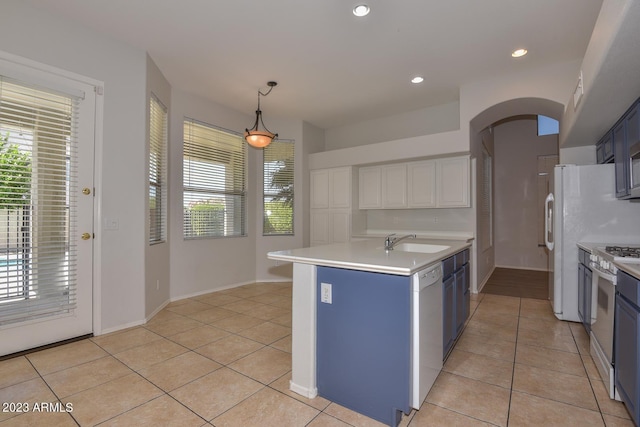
[331,203]
[370,187]
[438,183]
[331,188]
[394,186]
[452,178]
[421,184]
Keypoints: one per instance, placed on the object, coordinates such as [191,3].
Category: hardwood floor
[518,283]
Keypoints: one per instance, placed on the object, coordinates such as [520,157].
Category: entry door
[46,206]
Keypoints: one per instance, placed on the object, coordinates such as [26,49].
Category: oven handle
[606,276]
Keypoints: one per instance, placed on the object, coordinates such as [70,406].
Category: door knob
[86,236]
[86,191]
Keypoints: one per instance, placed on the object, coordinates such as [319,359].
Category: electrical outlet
[325,293]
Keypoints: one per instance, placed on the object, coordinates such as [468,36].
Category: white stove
[604,256]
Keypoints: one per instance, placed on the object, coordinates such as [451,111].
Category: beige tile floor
[224,359]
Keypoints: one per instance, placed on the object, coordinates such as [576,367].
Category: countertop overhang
[369,255]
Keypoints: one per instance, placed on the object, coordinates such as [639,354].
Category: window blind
[38,176]
[157,171]
[278,171]
[214,182]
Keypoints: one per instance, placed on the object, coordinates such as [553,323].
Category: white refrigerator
[582,208]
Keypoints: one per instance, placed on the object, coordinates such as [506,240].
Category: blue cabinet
[585,287]
[621,156]
[626,341]
[604,149]
[364,342]
[621,137]
[456,298]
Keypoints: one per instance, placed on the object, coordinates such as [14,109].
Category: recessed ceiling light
[361,10]
[518,53]
[417,79]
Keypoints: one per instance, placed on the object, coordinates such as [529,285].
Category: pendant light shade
[255,136]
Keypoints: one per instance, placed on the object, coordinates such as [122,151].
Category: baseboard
[309,393]
[486,279]
[521,268]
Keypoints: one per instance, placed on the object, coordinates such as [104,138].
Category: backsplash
[458,219]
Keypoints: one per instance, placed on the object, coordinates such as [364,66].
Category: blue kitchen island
[353,322]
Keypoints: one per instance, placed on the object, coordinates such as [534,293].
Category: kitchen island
[365,259]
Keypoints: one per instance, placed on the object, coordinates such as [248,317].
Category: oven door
[605,299]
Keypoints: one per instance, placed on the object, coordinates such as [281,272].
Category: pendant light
[255,136]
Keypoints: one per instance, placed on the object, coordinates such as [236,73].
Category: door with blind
[46,206]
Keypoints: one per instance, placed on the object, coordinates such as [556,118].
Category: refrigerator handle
[548,221]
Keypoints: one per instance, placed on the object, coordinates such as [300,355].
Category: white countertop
[369,255]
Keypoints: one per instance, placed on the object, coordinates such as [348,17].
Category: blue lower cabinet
[456,298]
[626,342]
[364,342]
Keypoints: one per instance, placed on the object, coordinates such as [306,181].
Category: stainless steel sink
[420,247]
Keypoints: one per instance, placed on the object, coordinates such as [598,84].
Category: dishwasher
[427,346]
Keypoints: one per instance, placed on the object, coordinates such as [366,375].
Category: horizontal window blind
[214,182]
[278,172]
[38,141]
[157,171]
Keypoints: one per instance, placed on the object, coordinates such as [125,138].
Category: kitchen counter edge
[369,255]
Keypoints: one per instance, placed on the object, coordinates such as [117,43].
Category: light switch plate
[325,293]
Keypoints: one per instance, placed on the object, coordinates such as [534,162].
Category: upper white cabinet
[331,204]
[452,178]
[370,187]
[421,184]
[331,188]
[394,186]
[438,183]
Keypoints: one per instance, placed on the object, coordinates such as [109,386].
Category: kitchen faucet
[390,241]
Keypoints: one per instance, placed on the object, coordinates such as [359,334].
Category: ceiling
[332,68]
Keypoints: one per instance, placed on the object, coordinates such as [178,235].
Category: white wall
[204,265]
[52,40]
[426,121]
[157,257]
[517,148]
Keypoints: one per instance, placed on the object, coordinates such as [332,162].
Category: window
[278,169]
[214,182]
[38,258]
[157,171]
[548,126]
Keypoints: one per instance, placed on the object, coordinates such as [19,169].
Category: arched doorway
[510,189]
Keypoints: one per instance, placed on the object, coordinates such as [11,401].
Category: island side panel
[303,331]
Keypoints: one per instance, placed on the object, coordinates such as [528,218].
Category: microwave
[634,169]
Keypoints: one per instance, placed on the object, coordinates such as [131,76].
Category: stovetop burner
[623,251]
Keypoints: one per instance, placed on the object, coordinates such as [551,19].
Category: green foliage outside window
[15,175]
[205,219]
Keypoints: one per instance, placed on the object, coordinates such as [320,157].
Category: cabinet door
[448,315]
[394,186]
[370,186]
[319,228]
[452,177]
[421,184]
[626,355]
[319,188]
[621,158]
[340,187]
[460,303]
